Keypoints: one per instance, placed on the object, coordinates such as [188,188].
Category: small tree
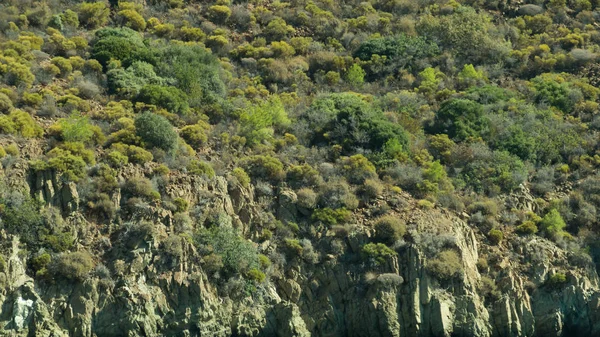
[156,131]
[552,223]
[355,75]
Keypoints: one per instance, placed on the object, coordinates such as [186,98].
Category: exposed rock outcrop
[336,294]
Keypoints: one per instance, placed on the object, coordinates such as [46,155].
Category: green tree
[156,131]
[355,75]
[460,119]
[552,223]
[258,121]
[469,34]
[195,71]
[396,52]
[348,120]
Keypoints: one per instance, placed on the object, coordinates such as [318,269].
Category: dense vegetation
[459,103]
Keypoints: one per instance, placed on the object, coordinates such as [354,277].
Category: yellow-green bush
[200,168]
[132,19]
[195,135]
[93,14]
[19,122]
[241,176]
[219,13]
[6,104]
[135,154]
[63,64]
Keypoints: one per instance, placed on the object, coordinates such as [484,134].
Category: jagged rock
[288,321]
[287,210]
[155,294]
[47,186]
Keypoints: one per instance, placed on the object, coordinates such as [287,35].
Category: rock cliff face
[331,294]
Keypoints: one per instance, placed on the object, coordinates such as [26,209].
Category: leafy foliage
[156,131]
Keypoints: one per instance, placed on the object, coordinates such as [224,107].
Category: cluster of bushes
[436,100]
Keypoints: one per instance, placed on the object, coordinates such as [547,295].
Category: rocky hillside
[442,279]
[299,168]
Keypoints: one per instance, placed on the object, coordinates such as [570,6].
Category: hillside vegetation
[122,121]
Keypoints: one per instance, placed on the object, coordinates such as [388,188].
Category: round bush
[389,229]
[156,131]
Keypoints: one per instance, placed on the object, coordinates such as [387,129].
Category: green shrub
[425,204]
[460,119]
[93,14]
[33,100]
[348,120]
[20,122]
[355,75]
[259,120]
[186,33]
[77,128]
[71,18]
[293,247]
[195,71]
[132,19]
[119,44]
[401,51]
[389,229]
[307,198]
[304,175]
[330,217]
[170,98]
[278,29]
[134,154]
[527,228]
[117,159]
[130,81]
[195,135]
[162,170]
[218,13]
[22,216]
[241,176]
[140,187]
[377,253]
[553,224]
[200,168]
[446,265]
[156,131]
[264,167]
[6,104]
[40,264]
[63,64]
[59,242]
[72,266]
[71,159]
[557,280]
[2,152]
[12,149]
[237,255]
[17,74]
[264,261]
[358,168]
[495,236]
[256,275]
[181,204]
[468,33]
